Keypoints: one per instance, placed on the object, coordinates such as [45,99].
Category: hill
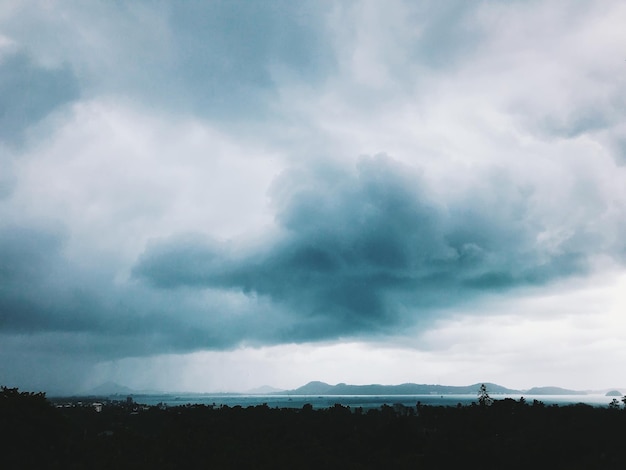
[322,388]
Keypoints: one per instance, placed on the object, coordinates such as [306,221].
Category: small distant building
[129,400]
[97,406]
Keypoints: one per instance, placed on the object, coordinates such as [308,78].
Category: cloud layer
[223,175]
[367,249]
[29,92]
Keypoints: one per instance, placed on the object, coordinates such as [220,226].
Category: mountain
[314,388]
[552,391]
[264,390]
[110,388]
[322,388]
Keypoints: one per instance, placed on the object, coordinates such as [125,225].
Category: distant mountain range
[322,388]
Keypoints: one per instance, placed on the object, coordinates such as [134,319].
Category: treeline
[500,434]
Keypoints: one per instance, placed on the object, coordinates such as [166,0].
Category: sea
[353,401]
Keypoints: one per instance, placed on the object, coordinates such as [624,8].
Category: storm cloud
[357,250]
[44,296]
[366,249]
[225,179]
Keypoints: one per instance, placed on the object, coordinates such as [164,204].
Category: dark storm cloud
[23,253]
[29,92]
[55,306]
[34,294]
[361,249]
[29,257]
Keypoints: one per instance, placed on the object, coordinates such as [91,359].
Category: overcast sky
[218,195]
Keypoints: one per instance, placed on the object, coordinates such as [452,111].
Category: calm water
[355,401]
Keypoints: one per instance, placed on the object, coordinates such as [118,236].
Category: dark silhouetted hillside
[508,434]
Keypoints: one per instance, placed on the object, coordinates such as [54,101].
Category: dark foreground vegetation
[500,434]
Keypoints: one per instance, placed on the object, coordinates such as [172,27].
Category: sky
[218,195]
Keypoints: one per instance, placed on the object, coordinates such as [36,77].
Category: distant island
[322,388]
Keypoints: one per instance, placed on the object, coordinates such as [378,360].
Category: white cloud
[116,171]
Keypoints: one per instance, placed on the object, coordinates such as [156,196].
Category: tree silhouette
[483,396]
